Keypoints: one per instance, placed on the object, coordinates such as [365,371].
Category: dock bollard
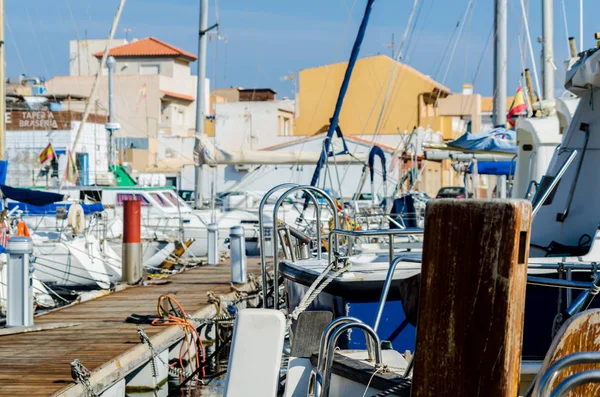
[131,270]
[19,311]
[238,255]
[213,244]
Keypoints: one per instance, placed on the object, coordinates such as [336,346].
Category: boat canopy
[499,139]
[494,167]
[30,196]
[50,209]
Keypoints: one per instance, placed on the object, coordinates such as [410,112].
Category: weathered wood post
[470,324]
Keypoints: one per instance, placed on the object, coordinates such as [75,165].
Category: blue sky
[268,39]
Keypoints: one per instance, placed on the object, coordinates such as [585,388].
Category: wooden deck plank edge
[122,365]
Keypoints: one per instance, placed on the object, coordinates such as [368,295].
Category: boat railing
[352,235]
[577,379]
[312,192]
[374,352]
[261,235]
[544,194]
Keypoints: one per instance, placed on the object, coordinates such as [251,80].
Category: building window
[285,125]
[149,69]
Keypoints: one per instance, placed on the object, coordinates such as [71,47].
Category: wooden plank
[472,298]
[37,363]
[580,333]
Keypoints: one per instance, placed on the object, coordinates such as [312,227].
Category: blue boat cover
[3,171]
[494,167]
[497,140]
[29,196]
[50,209]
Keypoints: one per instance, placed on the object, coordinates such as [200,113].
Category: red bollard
[131,271]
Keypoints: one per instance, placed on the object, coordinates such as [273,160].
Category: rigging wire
[14,42]
[564,12]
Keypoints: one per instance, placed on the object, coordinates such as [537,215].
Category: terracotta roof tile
[149,46]
[176,95]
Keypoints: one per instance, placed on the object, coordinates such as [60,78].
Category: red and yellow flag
[71,173]
[518,106]
[47,154]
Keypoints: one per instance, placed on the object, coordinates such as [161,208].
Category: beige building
[413,100]
[155,96]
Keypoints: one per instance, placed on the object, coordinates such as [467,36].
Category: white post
[500,66]
[548,48]
[213,244]
[238,255]
[20,282]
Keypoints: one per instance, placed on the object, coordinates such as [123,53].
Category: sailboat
[382,289]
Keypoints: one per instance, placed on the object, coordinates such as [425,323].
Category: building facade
[29,132]
[412,102]
[154,93]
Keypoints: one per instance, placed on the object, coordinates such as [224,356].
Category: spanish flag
[71,173]
[47,154]
[518,106]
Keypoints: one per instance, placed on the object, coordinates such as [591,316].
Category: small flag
[517,107]
[47,154]
[71,173]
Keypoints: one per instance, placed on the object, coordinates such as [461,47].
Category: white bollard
[238,255]
[213,244]
[20,282]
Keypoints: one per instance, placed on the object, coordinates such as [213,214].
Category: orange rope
[192,337]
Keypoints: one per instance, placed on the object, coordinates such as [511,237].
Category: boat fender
[76,218]
[22,229]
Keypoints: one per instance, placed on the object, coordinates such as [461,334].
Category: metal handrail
[555,180]
[327,333]
[531,156]
[309,190]
[331,351]
[376,232]
[261,236]
[572,359]
[581,378]
[390,233]
[549,282]
[528,193]
[386,289]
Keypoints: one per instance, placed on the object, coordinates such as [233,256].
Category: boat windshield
[121,197]
[175,200]
[163,202]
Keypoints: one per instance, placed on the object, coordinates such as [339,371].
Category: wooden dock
[38,363]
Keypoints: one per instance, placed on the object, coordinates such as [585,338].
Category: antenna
[291,77]
[392,46]
[127,31]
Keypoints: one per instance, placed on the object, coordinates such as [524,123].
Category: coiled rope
[172,313]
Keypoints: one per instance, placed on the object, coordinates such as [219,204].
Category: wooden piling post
[470,324]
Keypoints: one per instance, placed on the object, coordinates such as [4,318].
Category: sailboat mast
[500,66]
[580,25]
[2,85]
[340,100]
[200,90]
[548,48]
